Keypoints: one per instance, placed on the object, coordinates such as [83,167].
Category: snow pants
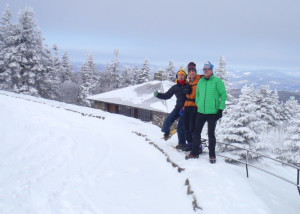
[170,120]
[211,123]
[189,120]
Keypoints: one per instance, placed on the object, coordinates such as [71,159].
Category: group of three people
[199,100]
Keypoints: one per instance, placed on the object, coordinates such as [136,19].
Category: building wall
[157,118]
[100,105]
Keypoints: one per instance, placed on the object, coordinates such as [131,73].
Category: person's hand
[155,93]
[181,112]
[219,114]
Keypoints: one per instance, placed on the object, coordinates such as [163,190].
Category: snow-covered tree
[221,72]
[88,81]
[113,71]
[6,30]
[67,68]
[26,57]
[290,150]
[50,83]
[291,107]
[127,77]
[241,123]
[268,106]
[171,71]
[144,74]
[135,73]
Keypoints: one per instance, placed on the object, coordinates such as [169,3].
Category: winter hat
[181,71]
[209,64]
[192,66]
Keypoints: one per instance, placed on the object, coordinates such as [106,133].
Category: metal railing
[259,168]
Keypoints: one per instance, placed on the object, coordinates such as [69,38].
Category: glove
[155,93]
[181,112]
[219,114]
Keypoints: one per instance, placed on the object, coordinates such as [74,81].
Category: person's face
[192,74]
[180,76]
[207,71]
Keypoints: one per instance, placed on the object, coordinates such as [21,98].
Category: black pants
[211,123]
[189,120]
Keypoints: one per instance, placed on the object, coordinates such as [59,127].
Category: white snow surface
[140,96]
[53,160]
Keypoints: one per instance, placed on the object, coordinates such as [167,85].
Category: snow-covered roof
[140,96]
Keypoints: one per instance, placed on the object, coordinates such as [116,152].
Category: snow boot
[180,147]
[212,160]
[188,147]
[166,136]
[191,156]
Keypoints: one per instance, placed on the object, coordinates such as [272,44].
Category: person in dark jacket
[210,100]
[176,90]
[190,109]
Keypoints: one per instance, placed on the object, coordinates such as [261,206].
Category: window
[125,110]
[144,115]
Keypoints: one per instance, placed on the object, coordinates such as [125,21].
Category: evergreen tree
[6,30]
[268,106]
[135,73]
[67,68]
[25,57]
[113,69]
[88,81]
[127,77]
[240,125]
[144,74]
[291,107]
[221,72]
[290,151]
[171,71]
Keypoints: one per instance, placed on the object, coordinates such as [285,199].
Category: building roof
[140,96]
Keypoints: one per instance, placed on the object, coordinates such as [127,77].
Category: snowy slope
[54,160]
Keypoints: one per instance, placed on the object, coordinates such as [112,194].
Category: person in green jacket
[210,100]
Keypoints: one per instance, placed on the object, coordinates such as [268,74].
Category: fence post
[247,164]
[298,177]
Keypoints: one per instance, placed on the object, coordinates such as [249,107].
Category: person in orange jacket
[189,110]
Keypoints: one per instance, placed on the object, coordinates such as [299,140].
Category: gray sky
[249,33]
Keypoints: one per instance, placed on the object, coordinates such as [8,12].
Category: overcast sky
[249,33]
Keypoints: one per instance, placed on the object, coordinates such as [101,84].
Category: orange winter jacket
[190,98]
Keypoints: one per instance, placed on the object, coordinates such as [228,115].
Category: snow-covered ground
[54,160]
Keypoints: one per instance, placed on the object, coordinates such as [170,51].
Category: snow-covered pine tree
[291,107]
[27,55]
[268,106]
[239,127]
[88,79]
[144,74]
[50,83]
[67,68]
[113,71]
[221,72]
[127,77]
[290,150]
[135,73]
[56,61]
[6,30]
[171,71]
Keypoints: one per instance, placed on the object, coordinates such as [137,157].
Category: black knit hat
[192,66]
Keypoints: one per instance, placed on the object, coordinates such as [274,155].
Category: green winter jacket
[210,95]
